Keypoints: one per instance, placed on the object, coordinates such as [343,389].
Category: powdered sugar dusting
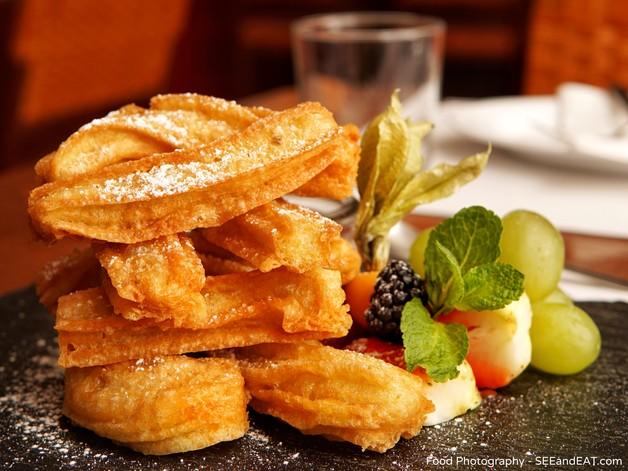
[33,398]
[162,180]
[536,416]
[168,126]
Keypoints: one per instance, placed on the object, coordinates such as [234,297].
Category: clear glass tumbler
[352,62]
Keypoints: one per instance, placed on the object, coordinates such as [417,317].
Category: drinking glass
[352,62]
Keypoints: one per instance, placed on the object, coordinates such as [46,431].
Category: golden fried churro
[126,134]
[232,113]
[161,405]
[344,257]
[245,309]
[170,193]
[336,181]
[283,234]
[340,394]
[215,265]
[216,260]
[78,270]
[43,168]
[192,312]
[161,278]
[181,122]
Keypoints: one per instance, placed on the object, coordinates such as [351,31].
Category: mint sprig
[461,272]
[437,347]
[490,286]
[461,266]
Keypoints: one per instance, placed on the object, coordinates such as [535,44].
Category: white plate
[526,126]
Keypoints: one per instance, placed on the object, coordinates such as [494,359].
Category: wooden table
[22,256]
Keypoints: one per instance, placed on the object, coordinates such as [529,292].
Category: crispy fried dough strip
[336,393]
[43,168]
[158,272]
[345,258]
[309,301]
[192,311]
[336,181]
[216,260]
[215,265]
[170,193]
[283,234]
[161,405]
[246,309]
[232,113]
[78,270]
[181,122]
[127,134]
[160,278]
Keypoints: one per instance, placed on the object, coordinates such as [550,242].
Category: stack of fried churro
[193,249]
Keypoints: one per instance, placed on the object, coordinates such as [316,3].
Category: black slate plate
[537,418]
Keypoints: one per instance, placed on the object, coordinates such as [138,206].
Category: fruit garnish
[417,251]
[391,181]
[536,248]
[461,264]
[565,340]
[462,272]
[387,351]
[556,296]
[359,292]
[396,285]
[499,341]
[461,268]
[450,399]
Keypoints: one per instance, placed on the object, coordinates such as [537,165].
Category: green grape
[557,296]
[417,252]
[533,246]
[565,340]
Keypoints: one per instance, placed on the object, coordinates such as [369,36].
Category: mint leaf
[445,283]
[457,248]
[490,286]
[472,235]
[438,348]
[462,273]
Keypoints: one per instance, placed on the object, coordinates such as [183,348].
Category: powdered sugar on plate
[538,415]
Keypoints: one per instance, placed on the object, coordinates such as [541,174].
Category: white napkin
[592,120]
[581,287]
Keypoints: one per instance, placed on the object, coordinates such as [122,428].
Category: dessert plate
[536,418]
[526,126]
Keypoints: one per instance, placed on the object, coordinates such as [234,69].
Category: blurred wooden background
[576,40]
[65,62]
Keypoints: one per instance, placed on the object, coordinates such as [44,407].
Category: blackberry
[396,284]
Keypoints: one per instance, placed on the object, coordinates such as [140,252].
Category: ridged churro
[160,405]
[176,192]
